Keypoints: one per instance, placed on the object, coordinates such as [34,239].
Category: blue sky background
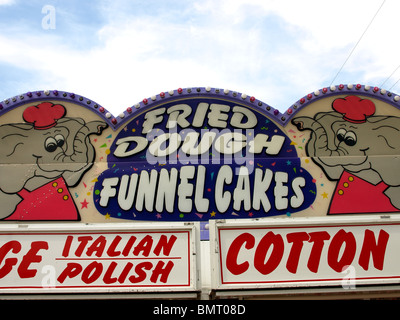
[119,52]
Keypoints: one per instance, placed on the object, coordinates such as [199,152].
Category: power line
[390,77]
[393,85]
[348,57]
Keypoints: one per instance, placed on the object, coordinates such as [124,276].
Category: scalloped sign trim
[282,118]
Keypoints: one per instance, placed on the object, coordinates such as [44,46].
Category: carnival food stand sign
[197,155]
[305,252]
[95,258]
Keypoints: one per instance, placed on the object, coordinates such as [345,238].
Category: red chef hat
[44,115]
[354,109]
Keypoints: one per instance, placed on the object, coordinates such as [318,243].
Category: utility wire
[381,86]
[348,57]
[393,85]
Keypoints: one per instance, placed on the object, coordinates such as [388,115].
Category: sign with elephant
[197,154]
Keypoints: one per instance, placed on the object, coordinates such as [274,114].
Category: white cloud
[277,51]
[7,2]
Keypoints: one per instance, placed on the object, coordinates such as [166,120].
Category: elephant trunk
[319,145]
[83,152]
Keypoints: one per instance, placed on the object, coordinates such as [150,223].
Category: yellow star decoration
[107,216]
[325,195]
[213,214]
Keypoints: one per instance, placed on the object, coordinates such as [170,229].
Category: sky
[118,52]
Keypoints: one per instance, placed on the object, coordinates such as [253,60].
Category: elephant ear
[387,132]
[385,153]
[16,164]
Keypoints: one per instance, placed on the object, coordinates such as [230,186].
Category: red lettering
[339,254]
[13,246]
[67,246]
[340,238]
[276,256]
[107,277]
[160,270]
[71,271]
[144,245]
[124,273]
[165,244]
[297,238]
[141,274]
[31,257]
[111,250]
[232,265]
[82,245]
[376,249]
[129,246]
[318,239]
[92,272]
[97,246]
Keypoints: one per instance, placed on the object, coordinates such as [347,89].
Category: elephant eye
[341,134]
[50,144]
[350,139]
[60,140]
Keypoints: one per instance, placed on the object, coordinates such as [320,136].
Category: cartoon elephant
[40,159]
[360,150]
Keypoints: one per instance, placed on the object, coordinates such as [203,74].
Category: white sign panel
[306,252]
[90,258]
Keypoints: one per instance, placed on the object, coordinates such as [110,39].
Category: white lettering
[108,191]
[151,118]
[260,142]
[146,190]
[239,113]
[176,117]
[127,194]
[121,151]
[200,202]
[242,193]
[281,191]
[166,190]
[298,199]
[218,116]
[184,189]
[230,142]
[223,199]
[155,147]
[261,186]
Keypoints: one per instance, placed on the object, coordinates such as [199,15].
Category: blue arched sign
[199,157]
